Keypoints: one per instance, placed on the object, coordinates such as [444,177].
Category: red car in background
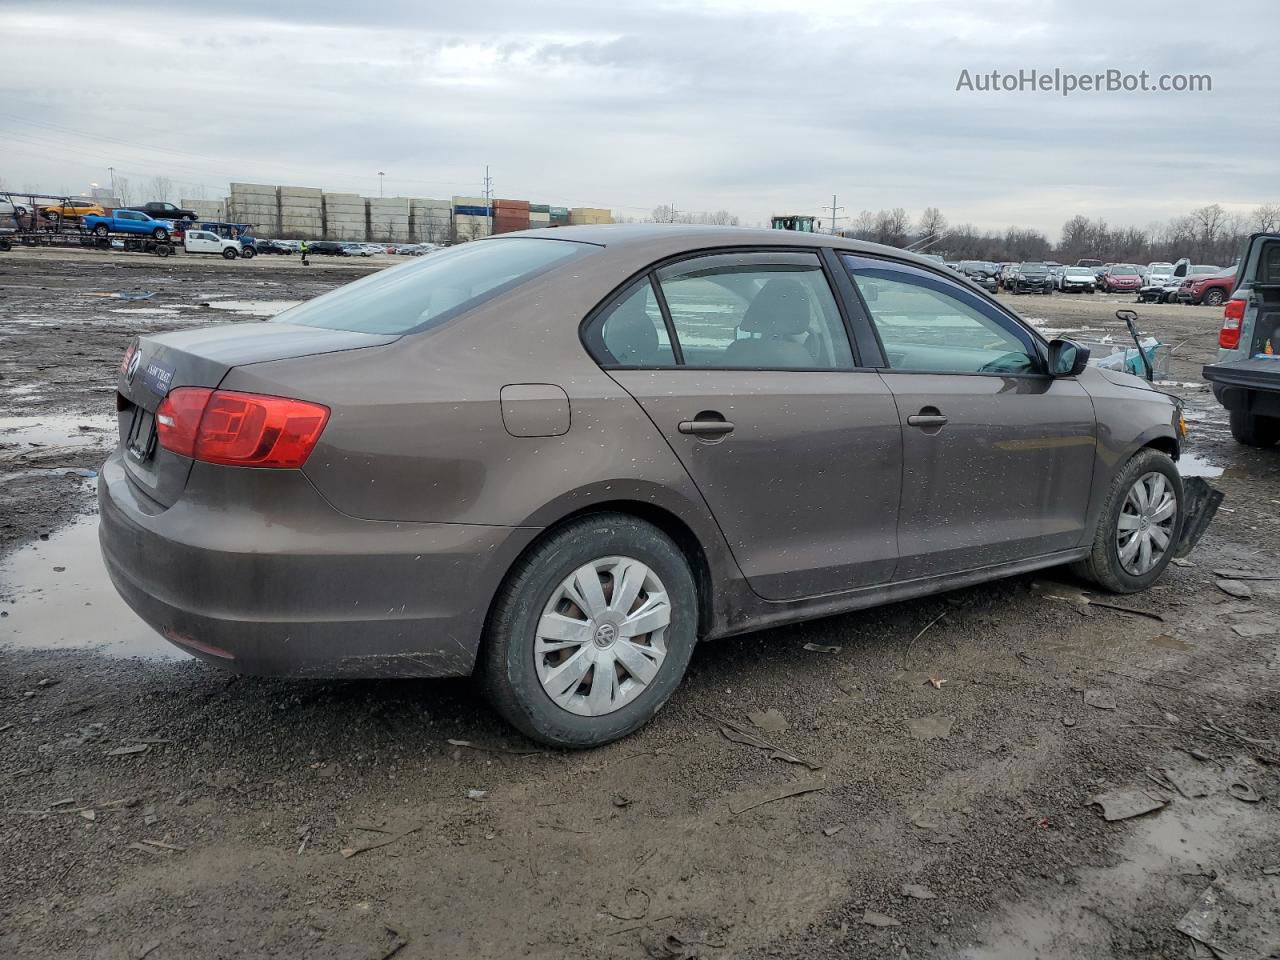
[1212,290]
[1120,278]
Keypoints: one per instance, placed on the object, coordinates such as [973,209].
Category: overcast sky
[752,106]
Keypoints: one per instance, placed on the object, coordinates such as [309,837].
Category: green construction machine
[796,222]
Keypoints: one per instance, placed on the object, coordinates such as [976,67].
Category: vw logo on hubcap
[606,633]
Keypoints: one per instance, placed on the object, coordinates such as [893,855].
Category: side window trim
[656,287]
[868,351]
[851,260]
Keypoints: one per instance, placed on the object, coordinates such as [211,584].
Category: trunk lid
[154,365]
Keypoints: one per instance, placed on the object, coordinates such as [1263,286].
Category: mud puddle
[1169,855]
[55,595]
[254,308]
[1194,465]
[21,437]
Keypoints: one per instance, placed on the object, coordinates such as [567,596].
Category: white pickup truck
[206,241]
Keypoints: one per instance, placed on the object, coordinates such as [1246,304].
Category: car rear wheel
[101,230]
[591,632]
[229,254]
[1139,525]
[1253,430]
[1214,297]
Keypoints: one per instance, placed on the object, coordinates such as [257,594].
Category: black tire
[229,253]
[1253,430]
[163,250]
[160,233]
[507,670]
[101,230]
[248,253]
[1214,297]
[1102,566]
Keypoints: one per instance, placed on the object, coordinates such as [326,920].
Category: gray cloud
[711,104]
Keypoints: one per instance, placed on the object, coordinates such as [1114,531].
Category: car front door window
[931,325]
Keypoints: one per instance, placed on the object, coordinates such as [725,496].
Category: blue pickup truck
[128,221]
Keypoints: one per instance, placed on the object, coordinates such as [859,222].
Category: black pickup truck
[162,210]
[1246,378]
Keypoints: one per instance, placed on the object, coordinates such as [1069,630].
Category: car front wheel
[160,233]
[1139,526]
[591,632]
[1214,298]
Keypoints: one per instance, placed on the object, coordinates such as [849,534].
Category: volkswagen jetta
[558,459]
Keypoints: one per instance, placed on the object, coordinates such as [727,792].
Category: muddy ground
[152,807]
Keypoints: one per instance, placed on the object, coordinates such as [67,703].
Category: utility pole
[380,176]
[488,187]
[112,171]
[834,218]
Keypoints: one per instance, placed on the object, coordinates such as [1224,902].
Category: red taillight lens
[239,429]
[178,418]
[1232,317]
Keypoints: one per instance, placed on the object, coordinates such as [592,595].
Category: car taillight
[239,429]
[1232,317]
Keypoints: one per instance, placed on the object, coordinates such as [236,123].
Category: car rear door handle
[923,419]
[706,428]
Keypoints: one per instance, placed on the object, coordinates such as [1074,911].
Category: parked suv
[1212,290]
[551,458]
[1032,278]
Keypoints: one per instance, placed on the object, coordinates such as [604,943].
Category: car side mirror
[1067,358]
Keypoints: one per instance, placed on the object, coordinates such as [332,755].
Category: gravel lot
[152,807]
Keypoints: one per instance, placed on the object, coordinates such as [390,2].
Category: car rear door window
[755,310]
[927,324]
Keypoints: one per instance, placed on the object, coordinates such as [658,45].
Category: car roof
[676,238]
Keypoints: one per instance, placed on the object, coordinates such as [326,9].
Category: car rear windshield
[432,289]
[1078,272]
[1034,268]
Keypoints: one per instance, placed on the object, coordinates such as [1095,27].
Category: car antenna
[1130,318]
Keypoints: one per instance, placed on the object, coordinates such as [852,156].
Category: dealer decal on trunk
[157,378]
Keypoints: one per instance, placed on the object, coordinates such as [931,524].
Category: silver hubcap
[1145,526]
[602,636]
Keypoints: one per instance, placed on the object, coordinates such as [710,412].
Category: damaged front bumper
[1202,502]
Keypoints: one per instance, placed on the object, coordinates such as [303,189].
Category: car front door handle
[706,428]
[923,419]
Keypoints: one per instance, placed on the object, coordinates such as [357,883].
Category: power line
[833,209]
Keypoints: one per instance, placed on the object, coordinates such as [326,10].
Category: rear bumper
[252,570]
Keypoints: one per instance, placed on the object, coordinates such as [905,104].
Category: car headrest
[630,334]
[780,308]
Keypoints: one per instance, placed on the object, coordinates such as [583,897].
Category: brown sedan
[559,458]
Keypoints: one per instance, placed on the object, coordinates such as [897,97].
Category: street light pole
[380,176]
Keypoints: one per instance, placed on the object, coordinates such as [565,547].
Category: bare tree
[932,223]
[123,192]
[160,188]
[891,227]
[1266,218]
[1209,221]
